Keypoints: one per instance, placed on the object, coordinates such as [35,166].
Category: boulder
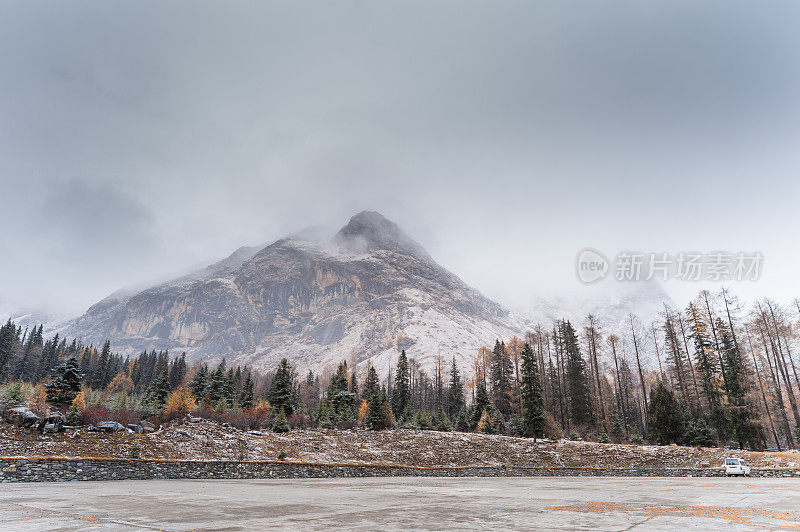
[52,423]
[147,426]
[135,428]
[21,417]
[109,426]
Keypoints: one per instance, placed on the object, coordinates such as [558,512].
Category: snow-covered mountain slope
[612,306]
[368,292]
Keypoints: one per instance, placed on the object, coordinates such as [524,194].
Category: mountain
[366,293]
[612,305]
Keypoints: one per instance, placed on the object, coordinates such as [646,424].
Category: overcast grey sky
[138,139]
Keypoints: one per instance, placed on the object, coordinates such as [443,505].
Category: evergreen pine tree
[481,404]
[281,425]
[66,383]
[401,393]
[247,395]
[576,377]
[160,390]
[665,423]
[455,392]
[199,383]
[502,370]
[281,392]
[531,394]
[371,384]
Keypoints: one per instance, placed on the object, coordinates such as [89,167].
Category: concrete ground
[406,503]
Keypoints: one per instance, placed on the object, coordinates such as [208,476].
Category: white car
[736,466]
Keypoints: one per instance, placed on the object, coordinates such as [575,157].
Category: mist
[140,141]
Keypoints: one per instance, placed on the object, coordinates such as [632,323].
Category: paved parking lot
[406,503]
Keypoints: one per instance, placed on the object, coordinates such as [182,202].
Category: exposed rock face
[368,292]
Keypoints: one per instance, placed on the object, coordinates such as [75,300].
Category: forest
[714,373]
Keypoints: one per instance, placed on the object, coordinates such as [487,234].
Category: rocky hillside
[368,292]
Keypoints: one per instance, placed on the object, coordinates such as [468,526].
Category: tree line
[712,373]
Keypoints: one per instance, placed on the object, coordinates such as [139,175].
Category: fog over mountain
[364,294]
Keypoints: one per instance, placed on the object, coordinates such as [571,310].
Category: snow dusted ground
[208,440]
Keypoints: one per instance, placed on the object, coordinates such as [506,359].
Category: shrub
[74,416]
[95,414]
[14,393]
[637,438]
[603,438]
[574,436]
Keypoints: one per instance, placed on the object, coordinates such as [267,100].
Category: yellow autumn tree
[180,403]
[80,401]
[120,383]
[485,423]
[362,411]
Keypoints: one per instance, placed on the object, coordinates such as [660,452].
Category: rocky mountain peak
[370,230]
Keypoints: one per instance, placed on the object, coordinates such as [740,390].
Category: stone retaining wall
[64,469]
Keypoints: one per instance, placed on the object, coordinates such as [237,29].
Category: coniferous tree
[66,383]
[455,392]
[247,395]
[281,393]
[482,403]
[401,392]
[371,384]
[576,378]
[665,420]
[217,380]
[502,370]
[9,335]
[199,383]
[342,400]
[531,395]
[379,412]
[177,371]
[281,425]
[161,390]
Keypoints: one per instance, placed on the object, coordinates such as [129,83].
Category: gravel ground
[207,440]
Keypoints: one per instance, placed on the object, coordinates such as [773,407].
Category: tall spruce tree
[577,380]
[371,384]
[247,395]
[482,403]
[281,392]
[531,395]
[455,392]
[401,392]
[502,371]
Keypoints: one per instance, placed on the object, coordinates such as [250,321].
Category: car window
[731,462]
